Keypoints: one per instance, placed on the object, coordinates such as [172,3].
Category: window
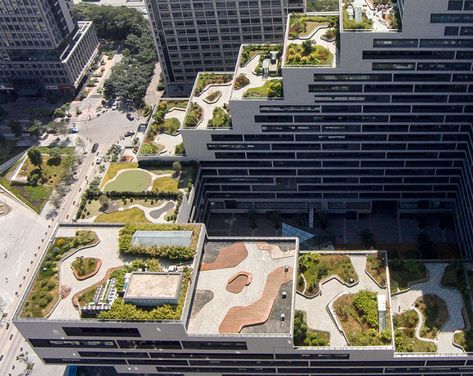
[393,66]
[72,343]
[395,43]
[137,344]
[214,345]
[408,54]
[451,18]
[101,332]
[455,4]
[451,31]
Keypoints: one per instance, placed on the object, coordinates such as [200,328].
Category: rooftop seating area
[371,15]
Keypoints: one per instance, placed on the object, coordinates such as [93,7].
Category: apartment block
[42,49]
[194,36]
[365,110]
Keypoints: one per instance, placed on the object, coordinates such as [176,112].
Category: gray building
[377,116]
[41,48]
[193,36]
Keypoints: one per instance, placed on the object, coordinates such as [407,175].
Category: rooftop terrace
[311,41]
[371,15]
[244,286]
[208,105]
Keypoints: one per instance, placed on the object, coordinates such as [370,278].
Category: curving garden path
[452,297]
[316,309]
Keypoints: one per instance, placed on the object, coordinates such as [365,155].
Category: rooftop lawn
[136,180]
[270,89]
[133,215]
[167,183]
[113,170]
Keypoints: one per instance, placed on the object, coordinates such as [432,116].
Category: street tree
[35,157]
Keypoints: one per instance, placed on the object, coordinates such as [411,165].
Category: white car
[99,159]
[114,106]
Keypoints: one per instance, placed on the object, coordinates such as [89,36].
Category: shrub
[179,149]
[241,81]
[206,79]
[220,119]
[213,96]
[193,116]
[365,303]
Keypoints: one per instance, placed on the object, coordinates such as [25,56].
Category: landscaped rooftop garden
[304,336]
[405,272]
[322,5]
[316,267]
[376,268]
[304,26]
[221,119]
[264,51]
[44,293]
[308,54]
[193,116]
[378,15]
[205,79]
[162,124]
[358,316]
[34,178]
[270,89]
[404,334]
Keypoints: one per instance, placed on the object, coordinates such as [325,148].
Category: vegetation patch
[85,267]
[213,97]
[136,180]
[302,26]
[220,119]
[304,336]
[178,253]
[322,5]
[403,272]
[166,184]
[308,54]
[44,293]
[435,313]
[376,267]
[193,116]
[315,267]
[151,148]
[179,149]
[264,50]
[113,170]
[270,89]
[133,215]
[241,81]
[404,334]
[124,311]
[358,315]
[351,24]
[206,79]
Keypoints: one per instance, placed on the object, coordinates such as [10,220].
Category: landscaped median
[45,293]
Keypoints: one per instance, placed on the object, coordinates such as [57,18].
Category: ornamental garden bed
[435,314]
[85,267]
[304,336]
[315,267]
[404,334]
[206,79]
[376,268]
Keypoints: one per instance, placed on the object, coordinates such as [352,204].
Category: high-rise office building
[193,36]
[41,48]
[374,115]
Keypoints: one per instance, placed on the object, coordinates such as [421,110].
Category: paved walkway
[106,250]
[255,81]
[208,108]
[318,316]
[452,297]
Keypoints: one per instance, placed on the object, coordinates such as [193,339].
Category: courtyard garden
[358,316]
[314,267]
[302,26]
[33,178]
[205,79]
[45,293]
[405,272]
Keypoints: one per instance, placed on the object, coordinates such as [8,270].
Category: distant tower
[358,10]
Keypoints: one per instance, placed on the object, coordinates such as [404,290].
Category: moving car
[95,147]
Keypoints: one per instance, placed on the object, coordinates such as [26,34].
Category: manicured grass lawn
[316,267]
[45,291]
[404,337]
[435,314]
[129,215]
[113,170]
[37,196]
[83,266]
[261,91]
[165,184]
[358,315]
[130,181]
[402,272]
[376,267]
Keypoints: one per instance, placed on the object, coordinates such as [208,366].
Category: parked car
[129,133]
[74,130]
[130,116]
[99,159]
[95,147]
[114,106]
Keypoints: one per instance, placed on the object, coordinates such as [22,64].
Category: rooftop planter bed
[270,89]
[308,54]
[304,336]
[177,253]
[206,79]
[44,293]
[151,148]
[179,149]
[302,26]
[193,116]
[358,315]
[220,119]
[252,50]
[435,314]
[315,267]
[376,268]
[404,334]
[85,267]
[170,104]
[404,272]
[241,81]
[213,97]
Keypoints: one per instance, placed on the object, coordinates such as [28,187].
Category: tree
[37,128]
[35,157]
[176,166]
[34,177]
[275,89]
[307,46]
[15,127]
[104,201]
[54,158]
